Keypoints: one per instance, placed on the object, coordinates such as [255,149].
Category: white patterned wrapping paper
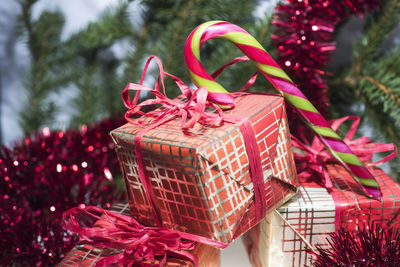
[312,212]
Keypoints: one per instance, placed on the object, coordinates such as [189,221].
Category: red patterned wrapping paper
[200,181]
[315,213]
[87,255]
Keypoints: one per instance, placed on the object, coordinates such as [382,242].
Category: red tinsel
[304,37]
[43,176]
[368,247]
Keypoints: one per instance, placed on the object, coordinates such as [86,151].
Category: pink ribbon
[314,157]
[194,108]
[136,245]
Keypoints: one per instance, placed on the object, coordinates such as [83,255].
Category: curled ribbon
[140,245]
[194,108]
[313,158]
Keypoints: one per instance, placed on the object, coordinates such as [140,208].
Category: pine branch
[43,39]
[381,124]
[26,19]
[375,72]
[380,28]
[170,22]
[112,26]
[392,62]
[87,103]
[109,87]
[383,129]
[182,17]
[385,90]
[134,59]
[97,78]
[265,30]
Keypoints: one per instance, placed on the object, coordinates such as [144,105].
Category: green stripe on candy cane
[349,158]
[368,182]
[300,102]
[277,72]
[242,38]
[212,86]
[197,37]
[278,78]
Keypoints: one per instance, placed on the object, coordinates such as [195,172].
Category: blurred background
[64,63]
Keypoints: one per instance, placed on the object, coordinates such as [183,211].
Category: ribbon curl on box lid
[140,244]
[131,243]
[313,159]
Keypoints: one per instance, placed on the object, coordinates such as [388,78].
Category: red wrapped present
[216,179]
[322,207]
[86,254]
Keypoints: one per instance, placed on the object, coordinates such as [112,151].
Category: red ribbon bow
[195,107]
[140,245]
[313,158]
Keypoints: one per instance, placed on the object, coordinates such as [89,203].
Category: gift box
[200,181]
[315,213]
[87,255]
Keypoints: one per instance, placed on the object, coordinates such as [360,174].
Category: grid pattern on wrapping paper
[361,209]
[276,192]
[86,255]
[284,165]
[222,189]
[228,151]
[312,214]
[314,205]
[175,190]
[171,160]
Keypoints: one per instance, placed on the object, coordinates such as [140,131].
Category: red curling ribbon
[193,111]
[313,158]
[135,244]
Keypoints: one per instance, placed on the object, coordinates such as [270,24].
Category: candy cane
[278,78]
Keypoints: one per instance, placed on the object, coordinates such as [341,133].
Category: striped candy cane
[278,78]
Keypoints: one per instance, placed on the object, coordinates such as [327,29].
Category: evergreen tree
[150,27]
[372,82]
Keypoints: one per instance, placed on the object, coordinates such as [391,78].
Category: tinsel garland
[304,33]
[46,174]
[368,247]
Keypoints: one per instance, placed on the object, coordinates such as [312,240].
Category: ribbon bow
[140,245]
[313,158]
[195,107]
